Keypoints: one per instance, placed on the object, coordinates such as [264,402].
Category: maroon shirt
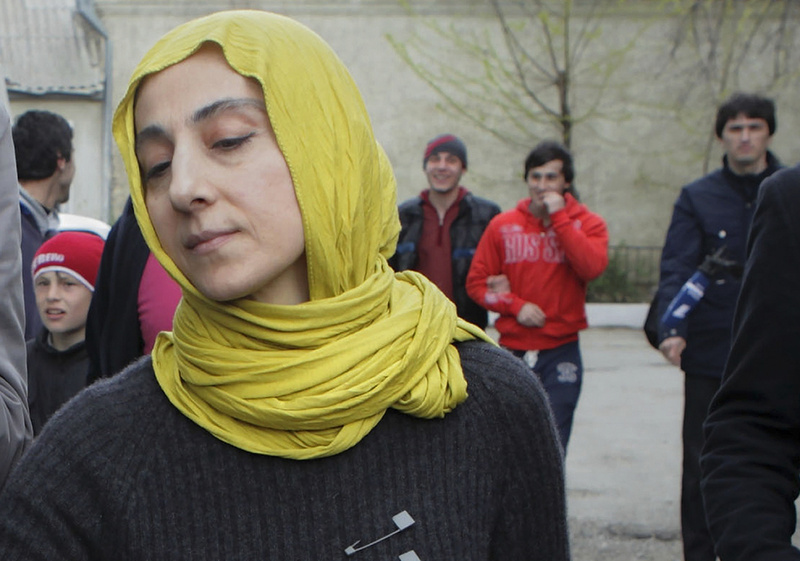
[434,249]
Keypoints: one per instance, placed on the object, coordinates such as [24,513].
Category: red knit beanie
[75,253]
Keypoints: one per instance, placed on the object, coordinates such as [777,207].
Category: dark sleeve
[113,335]
[682,253]
[405,256]
[31,242]
[751,458]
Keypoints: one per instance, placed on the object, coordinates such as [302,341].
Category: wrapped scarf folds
[309,380]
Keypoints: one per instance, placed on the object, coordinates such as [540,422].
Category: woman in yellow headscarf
[309,404]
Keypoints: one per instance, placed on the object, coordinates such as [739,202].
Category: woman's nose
[189,182]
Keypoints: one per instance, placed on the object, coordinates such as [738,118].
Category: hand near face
[531,315]
[553,201]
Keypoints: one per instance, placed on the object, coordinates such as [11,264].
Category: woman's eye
[233,142]
[156,170]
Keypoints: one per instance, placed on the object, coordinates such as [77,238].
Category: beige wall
[630,164]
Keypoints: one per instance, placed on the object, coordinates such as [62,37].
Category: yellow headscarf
[309,380]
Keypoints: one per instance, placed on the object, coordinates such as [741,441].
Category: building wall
[631,161]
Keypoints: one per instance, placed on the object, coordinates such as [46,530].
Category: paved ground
[623,463]
[624,457]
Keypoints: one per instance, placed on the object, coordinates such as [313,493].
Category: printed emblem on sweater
[532,247]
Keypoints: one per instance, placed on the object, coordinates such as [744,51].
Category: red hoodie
[549,267]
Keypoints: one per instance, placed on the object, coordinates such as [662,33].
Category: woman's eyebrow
[148,133]
[226,104]
[206,112]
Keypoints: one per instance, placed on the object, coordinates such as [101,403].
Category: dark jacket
[751,458]
[474,214]
[711,212]
[32,240]
[113,335]
[53,377]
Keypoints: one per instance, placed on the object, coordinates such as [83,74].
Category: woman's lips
[208,240]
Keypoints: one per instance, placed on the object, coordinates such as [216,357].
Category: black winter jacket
[711,212]
[751,458]
[474,214]
[53,377]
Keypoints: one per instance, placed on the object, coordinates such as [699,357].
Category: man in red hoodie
[532,266]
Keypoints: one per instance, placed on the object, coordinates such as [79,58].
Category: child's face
[63,302]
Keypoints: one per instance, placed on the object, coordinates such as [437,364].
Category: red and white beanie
[75,253]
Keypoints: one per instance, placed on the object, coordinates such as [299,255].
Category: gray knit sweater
[119,474]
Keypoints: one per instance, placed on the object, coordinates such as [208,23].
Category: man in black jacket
[711,216]
[751,460]
[443,225]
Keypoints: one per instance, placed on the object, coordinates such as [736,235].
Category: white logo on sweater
[532,247]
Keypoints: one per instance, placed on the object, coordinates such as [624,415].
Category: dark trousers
[697,542]
[560,370]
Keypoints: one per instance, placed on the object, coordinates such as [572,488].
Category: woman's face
[217,187]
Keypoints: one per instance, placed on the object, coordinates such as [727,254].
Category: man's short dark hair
[547,151]
[752,105]
[40,139]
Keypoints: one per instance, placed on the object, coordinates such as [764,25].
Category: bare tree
[548,69]
[721,46]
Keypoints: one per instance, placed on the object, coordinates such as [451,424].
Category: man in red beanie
[64,269]
[442,226]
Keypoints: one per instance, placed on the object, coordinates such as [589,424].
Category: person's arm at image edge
[15,424]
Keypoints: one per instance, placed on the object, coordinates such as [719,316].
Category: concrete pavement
[624,456]
[623,466]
